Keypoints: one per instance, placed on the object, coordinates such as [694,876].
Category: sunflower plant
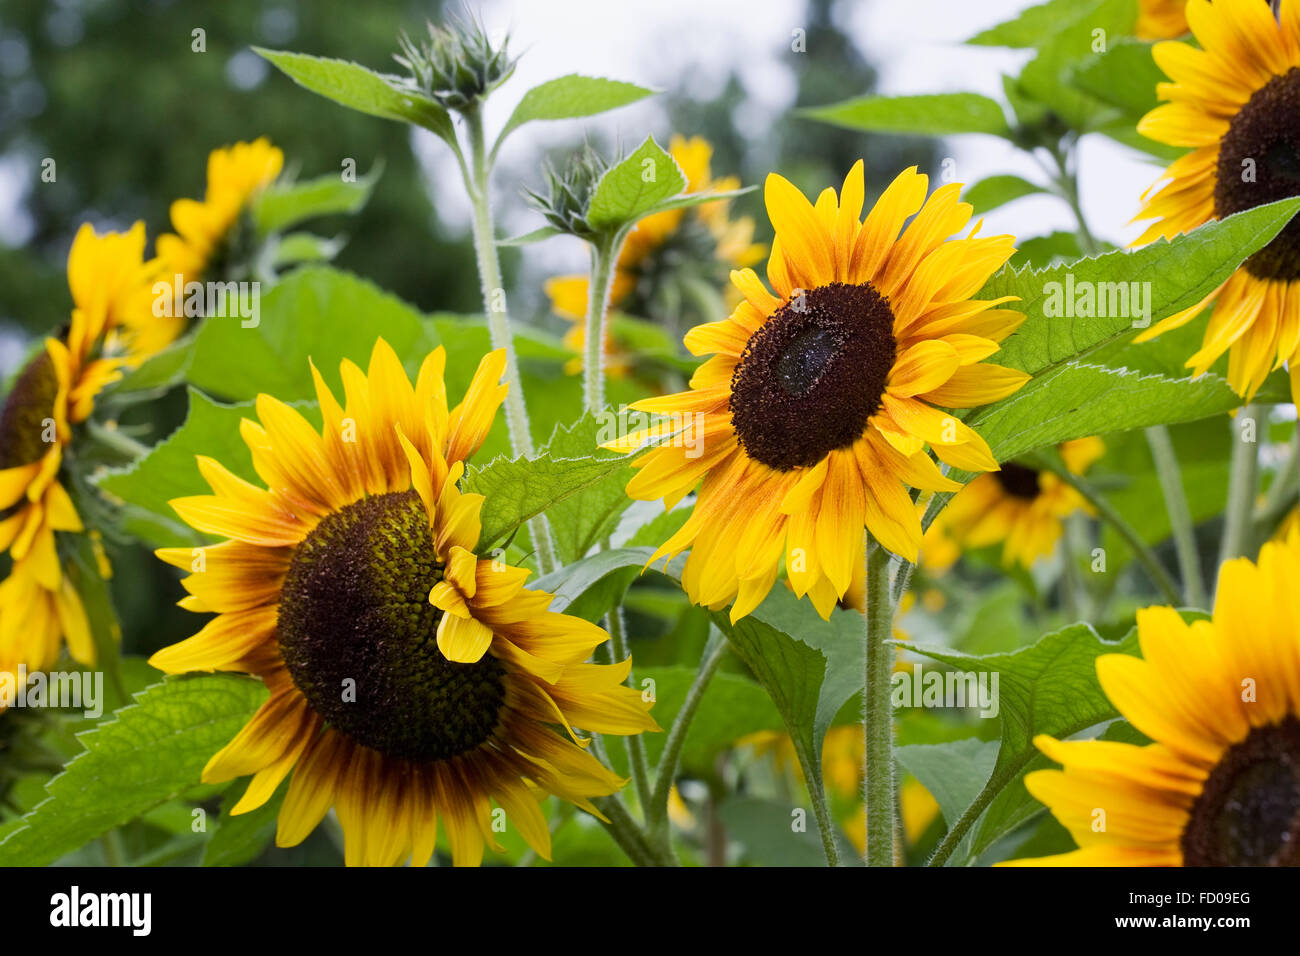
[933,545]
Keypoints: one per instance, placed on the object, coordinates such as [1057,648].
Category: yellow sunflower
[1220,784]
[410,679]
[1161,19]
[110,284]
[236,174]
[661,243]
[1234,101]
[1020,506]
[815,411]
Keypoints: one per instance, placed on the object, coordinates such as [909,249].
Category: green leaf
[161,370]
[356,87]
[765,830]
[995,191]
[282,205]
[954,772]
[572,96]
[809,676]
[687,200]
[1182,272]
[581,521]
[304,247]
[239,840]
[1048,76]
[169,470]
[1080,399]
[1071,395]
[147,754]
[634,187]
[521,488]
[315,313]
[528,238]
[1124,76]
[589,587]
[1043,251]
[1034,25]
[935,114]
[1049,687]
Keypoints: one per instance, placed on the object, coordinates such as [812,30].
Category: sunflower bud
[570,191]
[457,65]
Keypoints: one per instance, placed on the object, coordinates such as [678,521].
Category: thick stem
[657,809]
[636,756]
[1155,570]
[1180,515]
[1067,183]
[478,174]
[628,835]
[1243,482]
[878,714]
[603,258]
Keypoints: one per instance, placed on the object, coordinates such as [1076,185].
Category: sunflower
[1234,101]
[205,236]
[56,390]
[1020,506]
[1220,699]
[815,410]
[1161,19]
[409,678]
[667,242]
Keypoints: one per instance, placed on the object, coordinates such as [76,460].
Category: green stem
[1159,576]
[1067,183]
[1243,481]
[1180,515]
[811,764]
[636,756]
[1283,495]
[952,839]
[114,853]
[117,441]
[878,714]
[478,174]
[603,258]
[657,809]
[628,835]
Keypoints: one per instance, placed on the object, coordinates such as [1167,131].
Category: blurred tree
[128,98]
[827,66]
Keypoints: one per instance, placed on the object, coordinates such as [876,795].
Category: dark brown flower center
[359,635]
[1248,813]
[812,376]
[26,412]
[1259,162]
[1018,481]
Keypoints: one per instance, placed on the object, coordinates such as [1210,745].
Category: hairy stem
[636,757]
[878,715]
[657,809]
[478,174]
[1180,515]
[1243,482]
[603,257]
[1155,570]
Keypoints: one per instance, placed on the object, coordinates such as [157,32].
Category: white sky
[691,44]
